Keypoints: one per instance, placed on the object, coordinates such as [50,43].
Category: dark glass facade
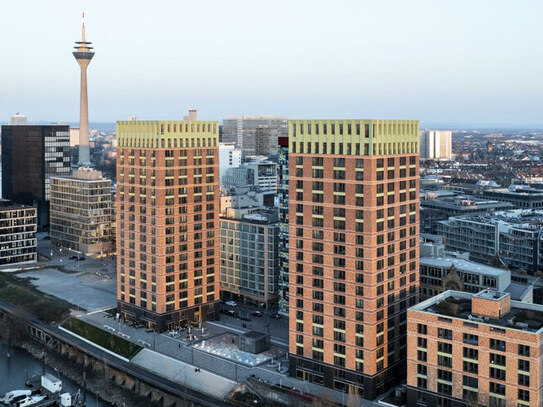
[31,155]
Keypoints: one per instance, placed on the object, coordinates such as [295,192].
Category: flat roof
[523,316]
[462,265]
[254,334]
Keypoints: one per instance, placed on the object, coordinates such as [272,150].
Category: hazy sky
[476,62]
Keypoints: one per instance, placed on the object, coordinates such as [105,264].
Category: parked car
[275,316]
[232,313]
[231,303]
[257,313]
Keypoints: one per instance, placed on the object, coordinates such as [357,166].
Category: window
[469,381]
[444,333]
[497,388]
[496,359]
[471,353]
[422,356]
[523,380]
[523,395]
[497,373]
[471,367]
[422,329]
[496,402]
[443,388]
[422,342]
[444,361]
[422,383]
[524,350]
[523,365]
[472,339]
[444,347]
[422,369]
[444,375]
[497,344]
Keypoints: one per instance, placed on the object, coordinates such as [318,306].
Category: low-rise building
[18,226]
[440,205]
[520,196]
[442,270]
[512,238]
[466,349]
[82,213]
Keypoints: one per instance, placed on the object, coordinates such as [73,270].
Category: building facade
[282,203]
[31,155]
[520,196]
[261,175]
[474,350]
[229,157]
[441,270]
[18,243]
[436,144]
[436,207]
[241,130]
[250,256]
[511,237]
[82,213]
[167,222]
[267,141]
[353,250]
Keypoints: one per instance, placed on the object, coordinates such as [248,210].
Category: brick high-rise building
[168,221]
[353,250]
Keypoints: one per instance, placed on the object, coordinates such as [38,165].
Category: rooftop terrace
[455,304]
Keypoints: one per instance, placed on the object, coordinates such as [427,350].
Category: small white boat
[15,395]
[30,401]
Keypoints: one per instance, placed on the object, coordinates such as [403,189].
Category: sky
[446,62]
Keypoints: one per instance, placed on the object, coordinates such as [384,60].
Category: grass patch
[20,294]
[102,338]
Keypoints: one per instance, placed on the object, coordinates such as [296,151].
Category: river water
[22,364]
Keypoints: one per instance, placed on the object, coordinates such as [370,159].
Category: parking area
[87,283]
[85,290]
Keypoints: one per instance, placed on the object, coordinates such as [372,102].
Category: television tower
[83,55]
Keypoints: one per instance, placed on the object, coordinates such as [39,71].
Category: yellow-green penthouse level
[354,137]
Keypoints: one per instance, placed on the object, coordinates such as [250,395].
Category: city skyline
[452,63]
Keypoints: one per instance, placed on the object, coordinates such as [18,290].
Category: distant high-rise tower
[83,56]
[18,120]
[436,144]
[193,115]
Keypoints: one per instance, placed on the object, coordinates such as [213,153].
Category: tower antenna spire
[83,27]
